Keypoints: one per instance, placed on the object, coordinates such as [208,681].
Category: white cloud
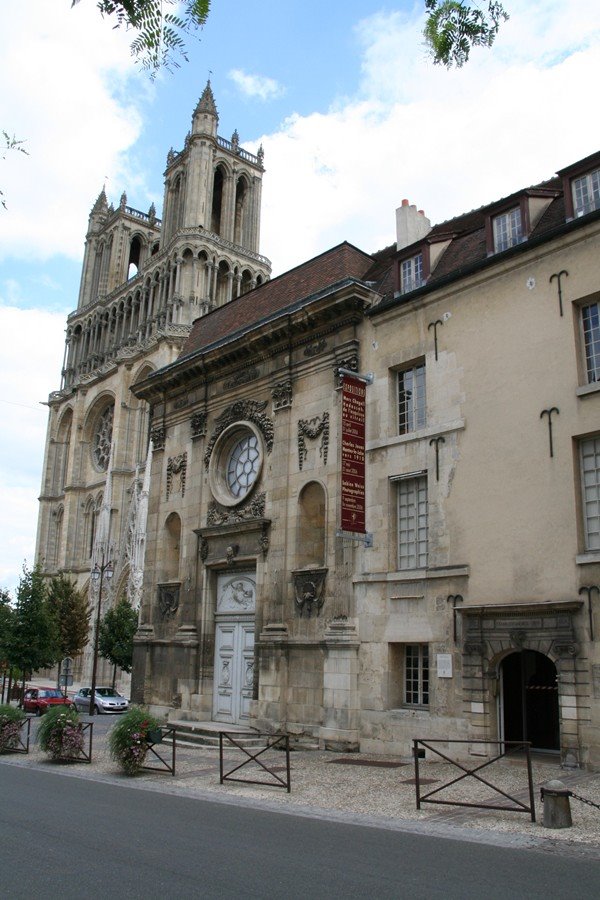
[256,85]
[448,141]
[62,82]
[32,346]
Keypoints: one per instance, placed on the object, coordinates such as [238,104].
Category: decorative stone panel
[176,473]
[313,429]
[282,395]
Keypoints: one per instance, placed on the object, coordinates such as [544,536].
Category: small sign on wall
[444,665]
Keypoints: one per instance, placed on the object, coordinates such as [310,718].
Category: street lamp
[98,573]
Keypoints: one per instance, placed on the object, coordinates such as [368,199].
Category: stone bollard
[557,809]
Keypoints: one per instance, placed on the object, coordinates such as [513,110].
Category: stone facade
[143,284]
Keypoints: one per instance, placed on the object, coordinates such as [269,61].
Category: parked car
[106,700]
[38,700]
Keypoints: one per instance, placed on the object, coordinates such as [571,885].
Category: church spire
[206,118]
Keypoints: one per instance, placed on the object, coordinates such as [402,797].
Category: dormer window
[411,273]
[586,193]
[508,229]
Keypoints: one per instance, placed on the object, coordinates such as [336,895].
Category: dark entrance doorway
[530,700]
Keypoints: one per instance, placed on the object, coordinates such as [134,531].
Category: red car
[38,700]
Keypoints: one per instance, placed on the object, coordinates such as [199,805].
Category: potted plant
[130,738]
[61,734]
[11,720]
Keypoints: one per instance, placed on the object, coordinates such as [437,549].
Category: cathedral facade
[143,284]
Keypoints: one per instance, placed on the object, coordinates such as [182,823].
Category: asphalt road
[65,837]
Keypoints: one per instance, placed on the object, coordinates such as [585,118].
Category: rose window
[243,465]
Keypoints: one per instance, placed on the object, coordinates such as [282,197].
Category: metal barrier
[81,755]
[273,741]
[157,737]
[20,745]
[515,747]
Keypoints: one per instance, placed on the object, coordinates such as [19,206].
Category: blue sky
[353,118]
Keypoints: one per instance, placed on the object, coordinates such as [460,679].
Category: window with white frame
[590,326]
[416,675]
[586,193]
[412,522]
[411,273]
[508,229]
[590,486]
[411,399]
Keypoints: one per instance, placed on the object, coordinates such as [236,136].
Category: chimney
[411,225]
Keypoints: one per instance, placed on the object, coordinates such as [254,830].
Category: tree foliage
[9,143]
[7,614]
[454,27]
[71,613]
[33,640]
[117,629]
[158,37]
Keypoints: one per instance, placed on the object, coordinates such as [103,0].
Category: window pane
[412,523]
[411,273]
[411,400]
[591,337]
[507,230]
[590,464]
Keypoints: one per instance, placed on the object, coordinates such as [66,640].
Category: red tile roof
[312,277]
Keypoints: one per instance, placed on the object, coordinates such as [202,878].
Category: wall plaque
[354,394]
[444,665]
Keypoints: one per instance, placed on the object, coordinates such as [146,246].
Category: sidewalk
[360,787]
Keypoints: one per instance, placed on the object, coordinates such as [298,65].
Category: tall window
[586,193]
[590,323]
[411,399]
[412,522]
[590,484]
[411,273]
[416,674]
[508,230]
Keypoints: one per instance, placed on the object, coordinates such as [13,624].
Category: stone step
[206,734]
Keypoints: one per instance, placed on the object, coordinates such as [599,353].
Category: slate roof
[308,279]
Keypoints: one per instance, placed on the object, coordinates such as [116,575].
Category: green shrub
[11,720]
[128,739]
[60,733]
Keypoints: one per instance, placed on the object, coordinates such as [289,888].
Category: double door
[234,648]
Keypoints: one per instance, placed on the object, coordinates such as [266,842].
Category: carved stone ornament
[203,549]
[242,377]
[350,363]
[316,348]
[231,552]
[473,648]
[249,410]
[263,542]
[158,436]
[222,515]
[312,429]
[566,648]
[518,638]
[168,600]
[309,587]
[176,473]
[198,425]
[282,395]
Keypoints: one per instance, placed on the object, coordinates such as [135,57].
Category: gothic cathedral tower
[143,284]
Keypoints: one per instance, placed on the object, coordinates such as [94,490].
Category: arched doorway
[529,708]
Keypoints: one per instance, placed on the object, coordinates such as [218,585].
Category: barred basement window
[416,674]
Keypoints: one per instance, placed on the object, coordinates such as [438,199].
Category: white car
[106,700]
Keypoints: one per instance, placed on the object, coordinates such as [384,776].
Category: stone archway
[529,709]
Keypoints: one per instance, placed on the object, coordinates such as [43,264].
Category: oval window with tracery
[243,465]
[103,438]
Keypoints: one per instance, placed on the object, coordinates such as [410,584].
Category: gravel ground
[320,783]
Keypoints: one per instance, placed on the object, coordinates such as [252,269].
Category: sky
[351,112]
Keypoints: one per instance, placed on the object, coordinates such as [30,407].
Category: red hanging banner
[354,392]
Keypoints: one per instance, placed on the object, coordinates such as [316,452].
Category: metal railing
[506,748]
[17,743]
[157,737]
[272,741]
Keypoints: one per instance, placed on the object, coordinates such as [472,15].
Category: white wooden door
[234,648]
